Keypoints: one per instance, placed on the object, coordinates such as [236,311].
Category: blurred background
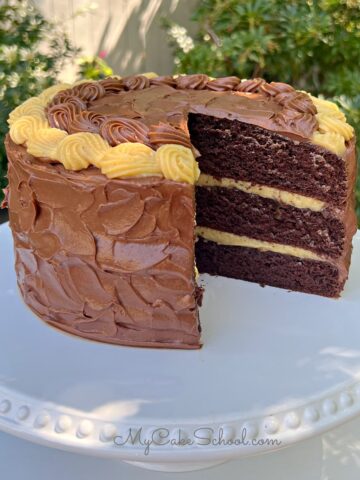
[314,45]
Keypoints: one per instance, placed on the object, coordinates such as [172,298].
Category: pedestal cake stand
[276,367]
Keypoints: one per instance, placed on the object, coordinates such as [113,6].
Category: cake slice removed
[272,210]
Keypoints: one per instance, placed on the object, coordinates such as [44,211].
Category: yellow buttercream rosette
[24,128]
[333,131]
[177,163]
[327,107]
[34,107]
[331,141]
[150,75]
[49,93]
[79,150]
[328,123]
[129,160]
[44,142]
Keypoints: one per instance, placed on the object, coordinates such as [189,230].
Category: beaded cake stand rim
[69,429]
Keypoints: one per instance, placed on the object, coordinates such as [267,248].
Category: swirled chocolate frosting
[109,260]
[154,111]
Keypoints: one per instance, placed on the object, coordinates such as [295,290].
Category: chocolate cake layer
[231,210]
[237,150]
[269,268]
[109,260]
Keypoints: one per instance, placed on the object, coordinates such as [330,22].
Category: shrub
[94,68]
[313,45]
[32,53]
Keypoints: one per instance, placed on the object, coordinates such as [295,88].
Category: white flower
[26,54]
[40,73]
[5,25]
[179,34]
[9,53]
[2,91]
[13,80]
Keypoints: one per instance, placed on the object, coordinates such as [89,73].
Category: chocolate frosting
[112,85]
[164,80]
[113,260]
[223,84]
[110,260]
[89,91]
[133,108]
[117,130]
[86,122]
[62,115]
[164,133]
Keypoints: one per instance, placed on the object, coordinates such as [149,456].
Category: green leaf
[24,70]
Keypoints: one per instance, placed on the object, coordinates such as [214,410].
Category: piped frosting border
[125,146]
[29,125]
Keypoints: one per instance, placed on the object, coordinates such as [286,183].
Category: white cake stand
[276,367]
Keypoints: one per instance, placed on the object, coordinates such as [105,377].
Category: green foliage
[313,45]
[94,68]
[32,53]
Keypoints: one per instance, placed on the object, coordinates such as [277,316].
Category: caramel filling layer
[225,238]
[293,199]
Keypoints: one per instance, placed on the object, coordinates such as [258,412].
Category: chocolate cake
[106,179]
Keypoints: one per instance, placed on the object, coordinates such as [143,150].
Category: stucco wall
[128,30]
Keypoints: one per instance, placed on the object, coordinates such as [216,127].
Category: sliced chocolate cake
[272,210]
[106,178]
